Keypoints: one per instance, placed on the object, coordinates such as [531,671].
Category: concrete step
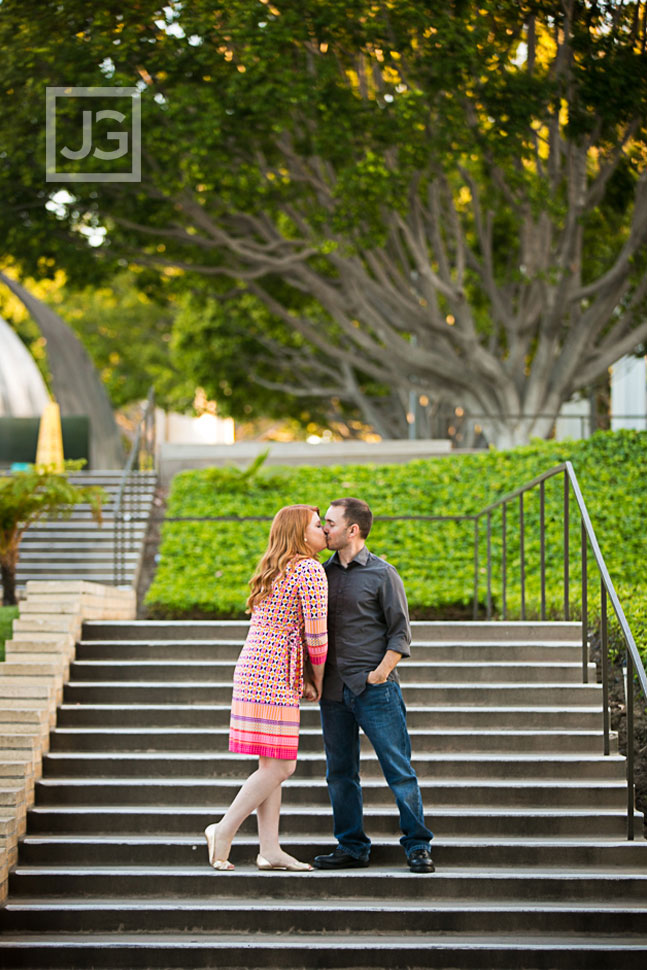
[423,650]
[170,630]
[440,791]
[533,865]
[175,952]
[219,692]
[450,820]
[67,527]
[481,854]
[93,476]
[85,519]
[216,763]
[96,572]
[70,553]
[189,915]
[421,630]
[132,500]
[411,673]
[215,740]
[107,578]
[472,718]
[515,884]
[81,537]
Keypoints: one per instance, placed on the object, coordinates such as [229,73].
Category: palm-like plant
[29,495]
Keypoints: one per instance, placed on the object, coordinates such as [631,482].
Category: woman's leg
[259,787]
[268,816]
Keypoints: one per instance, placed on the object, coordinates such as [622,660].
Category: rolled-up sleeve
[396,613]
[313,594]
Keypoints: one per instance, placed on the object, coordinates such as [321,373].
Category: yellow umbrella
[49,452]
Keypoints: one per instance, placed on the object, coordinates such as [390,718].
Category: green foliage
[363,170]
[204,566]
[7,615]
[29,495]
[126,328]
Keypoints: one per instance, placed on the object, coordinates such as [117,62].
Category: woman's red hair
[286,542]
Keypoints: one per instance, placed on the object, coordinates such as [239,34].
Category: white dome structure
[23,393]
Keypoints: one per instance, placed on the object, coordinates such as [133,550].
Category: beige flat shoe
[224,865]
[296,866]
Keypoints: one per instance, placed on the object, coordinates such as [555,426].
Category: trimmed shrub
[204,566]
[7,615]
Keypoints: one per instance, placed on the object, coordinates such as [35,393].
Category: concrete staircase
[533,868]
[78,548]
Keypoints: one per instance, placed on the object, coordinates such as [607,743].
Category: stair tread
[329,941]
[427,708]
[383,872]
[321,782]
[206,755]
[152,839]
[163,903]
[439,811]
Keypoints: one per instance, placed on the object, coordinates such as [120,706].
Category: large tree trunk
[513,432]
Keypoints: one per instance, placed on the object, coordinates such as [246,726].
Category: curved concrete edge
[37,665]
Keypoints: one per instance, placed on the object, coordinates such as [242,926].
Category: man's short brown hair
[356,512]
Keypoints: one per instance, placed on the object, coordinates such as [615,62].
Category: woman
[288,603]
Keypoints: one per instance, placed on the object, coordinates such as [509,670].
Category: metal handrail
[127,504]
[634,663]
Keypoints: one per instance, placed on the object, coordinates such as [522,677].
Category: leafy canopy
[447,199]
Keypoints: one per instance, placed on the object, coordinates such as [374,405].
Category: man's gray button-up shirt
[367,615]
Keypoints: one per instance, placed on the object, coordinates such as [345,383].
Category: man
[368,634]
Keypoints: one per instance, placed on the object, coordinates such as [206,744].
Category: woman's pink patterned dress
[268,680]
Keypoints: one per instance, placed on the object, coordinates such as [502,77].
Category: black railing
[588,542]
[130,505]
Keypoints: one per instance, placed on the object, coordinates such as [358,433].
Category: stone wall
[174,458]
[36,666]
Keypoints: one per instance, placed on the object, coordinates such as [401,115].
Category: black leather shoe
[420,861]
[339,859]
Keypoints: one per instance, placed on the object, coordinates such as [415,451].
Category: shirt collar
[361,558]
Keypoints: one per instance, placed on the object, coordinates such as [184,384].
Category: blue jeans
[380,712]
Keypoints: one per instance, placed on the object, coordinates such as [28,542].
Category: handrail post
[522,557]
[567,608]
[489,565]
[475,606]
[504,559]
[128,502]
[604,646]
[542,546]
[629,697]
[585,609]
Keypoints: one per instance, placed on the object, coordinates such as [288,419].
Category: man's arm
[398,630]
[381,673]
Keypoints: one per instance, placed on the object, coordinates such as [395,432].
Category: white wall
[183,429]
[574,419]
[629,394]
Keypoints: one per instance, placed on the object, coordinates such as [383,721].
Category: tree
[27,496]
[125,324]
[256,366]
[448,200]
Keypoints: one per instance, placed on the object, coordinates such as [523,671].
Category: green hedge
[7,615]
[204,566]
